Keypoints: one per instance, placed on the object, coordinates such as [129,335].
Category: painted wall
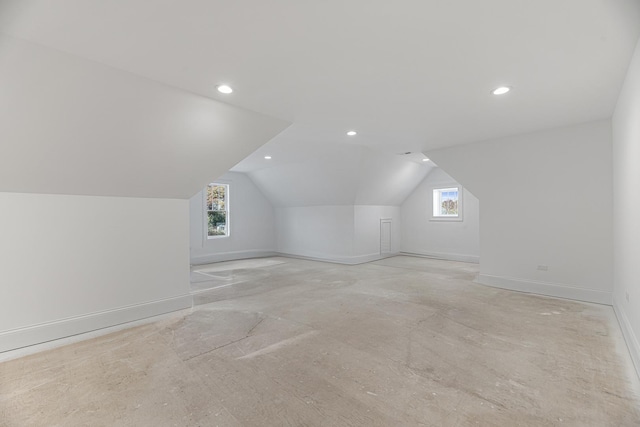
[626,203]
[72,264]
[324,232]
[346,234]
[252,224]
[367,230]
[546,201]
[74,126]
[453,240]
[329,198]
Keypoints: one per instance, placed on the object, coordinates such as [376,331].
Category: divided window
[447,203]
[217,200]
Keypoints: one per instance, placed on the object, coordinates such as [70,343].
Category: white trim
[545,288]
[390,222]
[446,218]
[227,210]
[37,348]
[629,336]
[348,260]
[230,256]
[474,259]
[37,334]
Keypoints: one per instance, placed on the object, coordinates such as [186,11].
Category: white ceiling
[335,174]
[408,75]
[73,126]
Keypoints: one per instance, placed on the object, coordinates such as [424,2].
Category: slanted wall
[96,169]
[546,217]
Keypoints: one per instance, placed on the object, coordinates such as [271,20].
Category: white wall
[626,203]
[367,230]
[324,232]
[453,240]
[251,224]
[71,264]
[74,126]
[329,198]
[346,234]
[546,200]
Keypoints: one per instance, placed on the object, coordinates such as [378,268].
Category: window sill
[446,219]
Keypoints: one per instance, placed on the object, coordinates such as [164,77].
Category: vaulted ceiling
[324,173]
[408,75]
[73,126]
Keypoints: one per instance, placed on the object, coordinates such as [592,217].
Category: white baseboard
[448,257]
[37,334]
[348,260]
[629,336]
[545,288]
[230,256]
[238,255]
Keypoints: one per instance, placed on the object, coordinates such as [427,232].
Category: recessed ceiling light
[425,160]
[267,157]
[226,89]
[352,133]
[501,90]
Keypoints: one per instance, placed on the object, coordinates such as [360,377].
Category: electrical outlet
[626,294]
[543,267]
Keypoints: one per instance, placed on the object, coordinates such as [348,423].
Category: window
[447,203]
[217,198]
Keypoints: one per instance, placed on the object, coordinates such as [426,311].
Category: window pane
[445,202]
[216,197]
[218,204]
[217,223]
[210,197]
[443,206]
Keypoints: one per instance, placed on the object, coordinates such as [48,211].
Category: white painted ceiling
[408,75]
[335,174]
[73,126]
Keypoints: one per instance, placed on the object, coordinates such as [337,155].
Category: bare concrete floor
[283,342]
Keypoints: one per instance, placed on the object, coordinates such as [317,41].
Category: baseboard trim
[347,260]
[231,256]
[633,345]
[38,334]
[545,288]
[474,259]
[234,256]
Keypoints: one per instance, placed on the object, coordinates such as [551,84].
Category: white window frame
[433,216]
[227,211]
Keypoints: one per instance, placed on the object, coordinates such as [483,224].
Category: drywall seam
[37,334]
[545,288]
[231,256]
[629,336]
[448,257]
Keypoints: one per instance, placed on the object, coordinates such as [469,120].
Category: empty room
[336,213]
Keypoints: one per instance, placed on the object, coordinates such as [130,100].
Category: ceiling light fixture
[267,157]
[226,89]
[425,160]
[352,133]
[501,90]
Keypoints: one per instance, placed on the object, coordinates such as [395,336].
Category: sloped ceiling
[410,75]
[73,126]
[332,174]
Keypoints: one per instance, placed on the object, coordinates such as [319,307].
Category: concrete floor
[283,342]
